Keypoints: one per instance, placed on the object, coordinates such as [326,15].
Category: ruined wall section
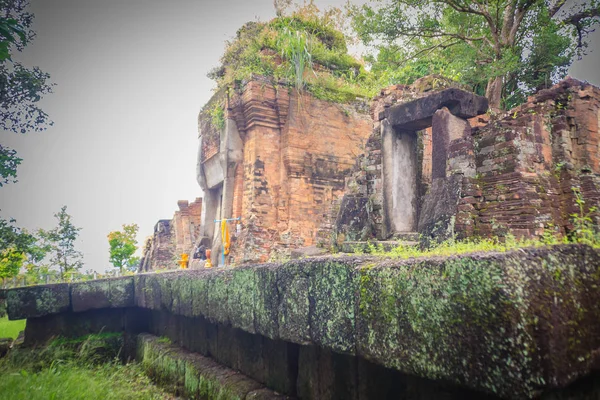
[186,223]
[297,152]
[531,159]
[172,238]
[521,172]
[160,249]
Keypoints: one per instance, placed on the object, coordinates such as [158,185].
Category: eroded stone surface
[514,324]
[37,301]
[105,293]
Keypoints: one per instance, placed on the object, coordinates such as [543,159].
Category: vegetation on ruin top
[303,49]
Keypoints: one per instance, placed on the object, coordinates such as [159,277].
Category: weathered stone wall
[530,159]
[296,153]
[514,324]
[515,172]
[174,237]
[186,223]
[160,249]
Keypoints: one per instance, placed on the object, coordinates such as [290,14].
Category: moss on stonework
[192,375]
[240,298]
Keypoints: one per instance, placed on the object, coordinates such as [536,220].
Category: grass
[72,381]
[11,329]
[75,369]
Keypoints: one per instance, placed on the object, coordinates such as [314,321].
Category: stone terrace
[515,324]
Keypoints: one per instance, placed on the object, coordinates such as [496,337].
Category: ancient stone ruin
[515,325]
[427,163]
[173,237]
[438,165]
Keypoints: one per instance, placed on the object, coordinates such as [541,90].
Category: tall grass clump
[85,368]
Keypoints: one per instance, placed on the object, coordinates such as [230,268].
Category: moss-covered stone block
[103,293]
[121,292]
[502,323]
[90,295]
[241,291]
[266,301]
[152,291]
[194,375]
[140,290]
[332,298]
[37,301]
[218,284]
[293,283]
[199,293]
[184,294]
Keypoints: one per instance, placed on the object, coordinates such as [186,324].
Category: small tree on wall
[60,244]
[123,245]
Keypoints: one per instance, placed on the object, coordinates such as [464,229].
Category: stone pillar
[452,148]
[400,178]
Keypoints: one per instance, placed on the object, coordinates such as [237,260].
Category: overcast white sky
[130,79]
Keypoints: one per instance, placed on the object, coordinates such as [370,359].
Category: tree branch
[429,49]
[556,8]
[575,19]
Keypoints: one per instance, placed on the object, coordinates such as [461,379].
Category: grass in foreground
[11,329]
[65,370]
[72,381]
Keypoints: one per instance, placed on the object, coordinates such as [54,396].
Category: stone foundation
[515,325]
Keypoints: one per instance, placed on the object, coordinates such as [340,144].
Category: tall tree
[60,244]
[21,88]
[123,245]
[508,48]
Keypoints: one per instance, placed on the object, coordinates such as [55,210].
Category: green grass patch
[73,381]
[305,51]
[477,245]
[84,368]
[11,329]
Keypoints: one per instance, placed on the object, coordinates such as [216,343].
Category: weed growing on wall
[585,230]
[217,115]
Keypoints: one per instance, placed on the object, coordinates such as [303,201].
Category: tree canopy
[60,244]
[123,245]
[16,247]
[21,87]
[505,49]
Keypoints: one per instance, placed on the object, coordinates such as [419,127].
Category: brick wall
[297,152]
[530,159]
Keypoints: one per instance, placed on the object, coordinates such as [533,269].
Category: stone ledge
[37,301]
[515,324]
[197,376]
[104,293]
